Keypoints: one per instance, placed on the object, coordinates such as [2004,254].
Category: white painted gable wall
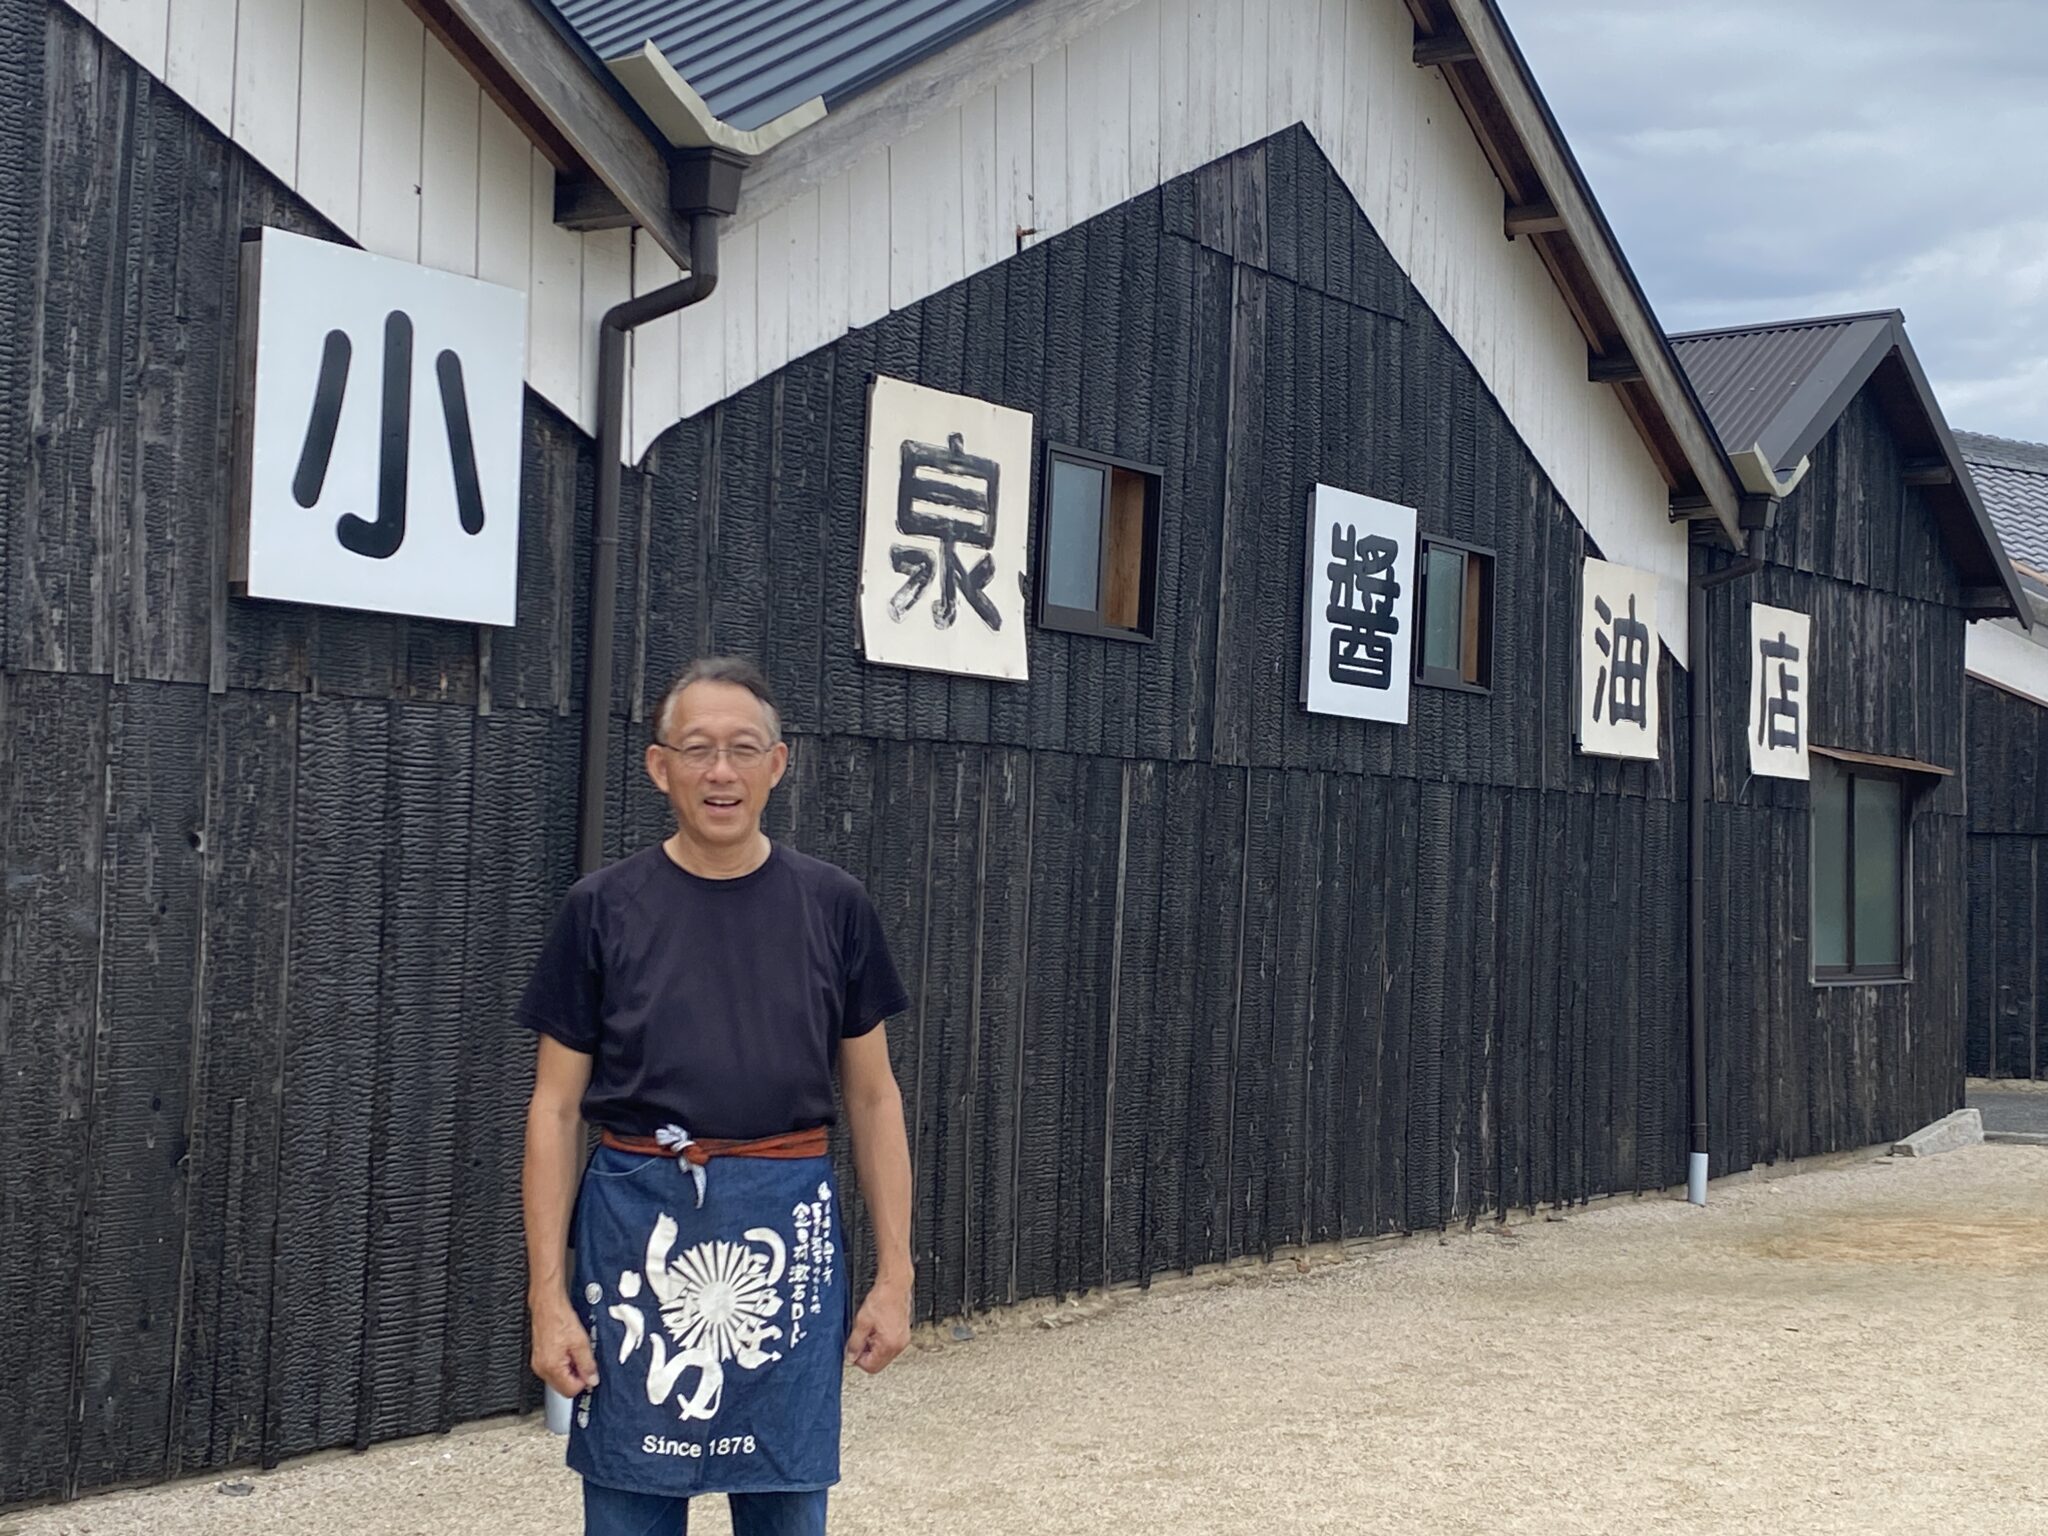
[370,119]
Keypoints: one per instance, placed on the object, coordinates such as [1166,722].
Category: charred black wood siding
[2008,885]
[1798,1068]
[1195,975]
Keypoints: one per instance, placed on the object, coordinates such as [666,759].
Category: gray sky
[1769,159]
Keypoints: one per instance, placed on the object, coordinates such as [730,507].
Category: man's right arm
[562,1356]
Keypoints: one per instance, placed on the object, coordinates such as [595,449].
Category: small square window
[1454,616]
[1098,549]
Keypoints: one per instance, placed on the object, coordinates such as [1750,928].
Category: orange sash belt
[814,1142]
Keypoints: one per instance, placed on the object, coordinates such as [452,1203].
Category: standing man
[692,1002]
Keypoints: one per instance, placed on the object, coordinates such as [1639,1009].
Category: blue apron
[719,1327]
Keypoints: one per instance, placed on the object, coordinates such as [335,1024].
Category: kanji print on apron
[719,1327]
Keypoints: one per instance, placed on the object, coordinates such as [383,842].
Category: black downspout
[705,185]
[1698,714]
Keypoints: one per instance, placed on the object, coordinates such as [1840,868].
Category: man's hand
[881,1156]
[881,1331]
[561,1349]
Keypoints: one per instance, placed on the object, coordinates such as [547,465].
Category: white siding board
[835,199]
[1015,207]
[266,119]
[199,55]
[607,280]
[1999,652]
[330,104]
[737,272]
[450,158]
[1223,68]
[654,403]
[1143,21]
[139,28]
[1049,144]
[927,245]
[775,241]
[1257,111]
[1403,109]
[1291,94]
[554,298]
[1098,123]
[982,193]
[395,46]
[504,202]
[867,240]
[807,330]
[1371,80]
[700,353]
[1340,37]
[1180,135]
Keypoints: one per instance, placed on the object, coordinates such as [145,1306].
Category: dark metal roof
[1780,387]
[2012,477]
[753,60]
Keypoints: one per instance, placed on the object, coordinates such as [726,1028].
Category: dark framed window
[1098,545]
[1861,871]
[1454,615]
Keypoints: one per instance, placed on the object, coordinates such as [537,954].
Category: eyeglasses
[700,755]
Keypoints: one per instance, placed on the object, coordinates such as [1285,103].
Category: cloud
[1767,159]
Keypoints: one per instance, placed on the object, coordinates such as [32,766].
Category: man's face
[716,763]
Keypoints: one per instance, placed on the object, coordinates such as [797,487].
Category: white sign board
[1358,607]
[381,436]
[1618,656]
[1779,697]
[945,534]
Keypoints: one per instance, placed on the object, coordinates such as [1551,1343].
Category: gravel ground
[2012,1106]
[1855,1350]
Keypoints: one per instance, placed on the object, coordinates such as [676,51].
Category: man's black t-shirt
[715,1005]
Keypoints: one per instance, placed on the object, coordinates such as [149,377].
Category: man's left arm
[881,1157]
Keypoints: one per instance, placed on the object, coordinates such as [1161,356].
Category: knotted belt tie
[674,1141]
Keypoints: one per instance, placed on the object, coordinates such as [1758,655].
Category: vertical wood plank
[139,28]
[325,1142]
[554,299]
[808,256]
[200,40]
[504,206]
[53,789]
[137,1187]
[451,164]
[266,121]
[738,269]
[777,235]
[225,1278]
[835,290]
[1181,142]
[1049,196]
[330,142]
[868,240]
[394,63]
[984,216]
[416,1087]
[653,403]
[927,244]
[607,280]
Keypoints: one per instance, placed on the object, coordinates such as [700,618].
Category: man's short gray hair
[737,671]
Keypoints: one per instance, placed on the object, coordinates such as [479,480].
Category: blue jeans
[615,1512]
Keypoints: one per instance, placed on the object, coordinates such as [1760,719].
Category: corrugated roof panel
[2012,477]
[753,60]
[1750,379]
